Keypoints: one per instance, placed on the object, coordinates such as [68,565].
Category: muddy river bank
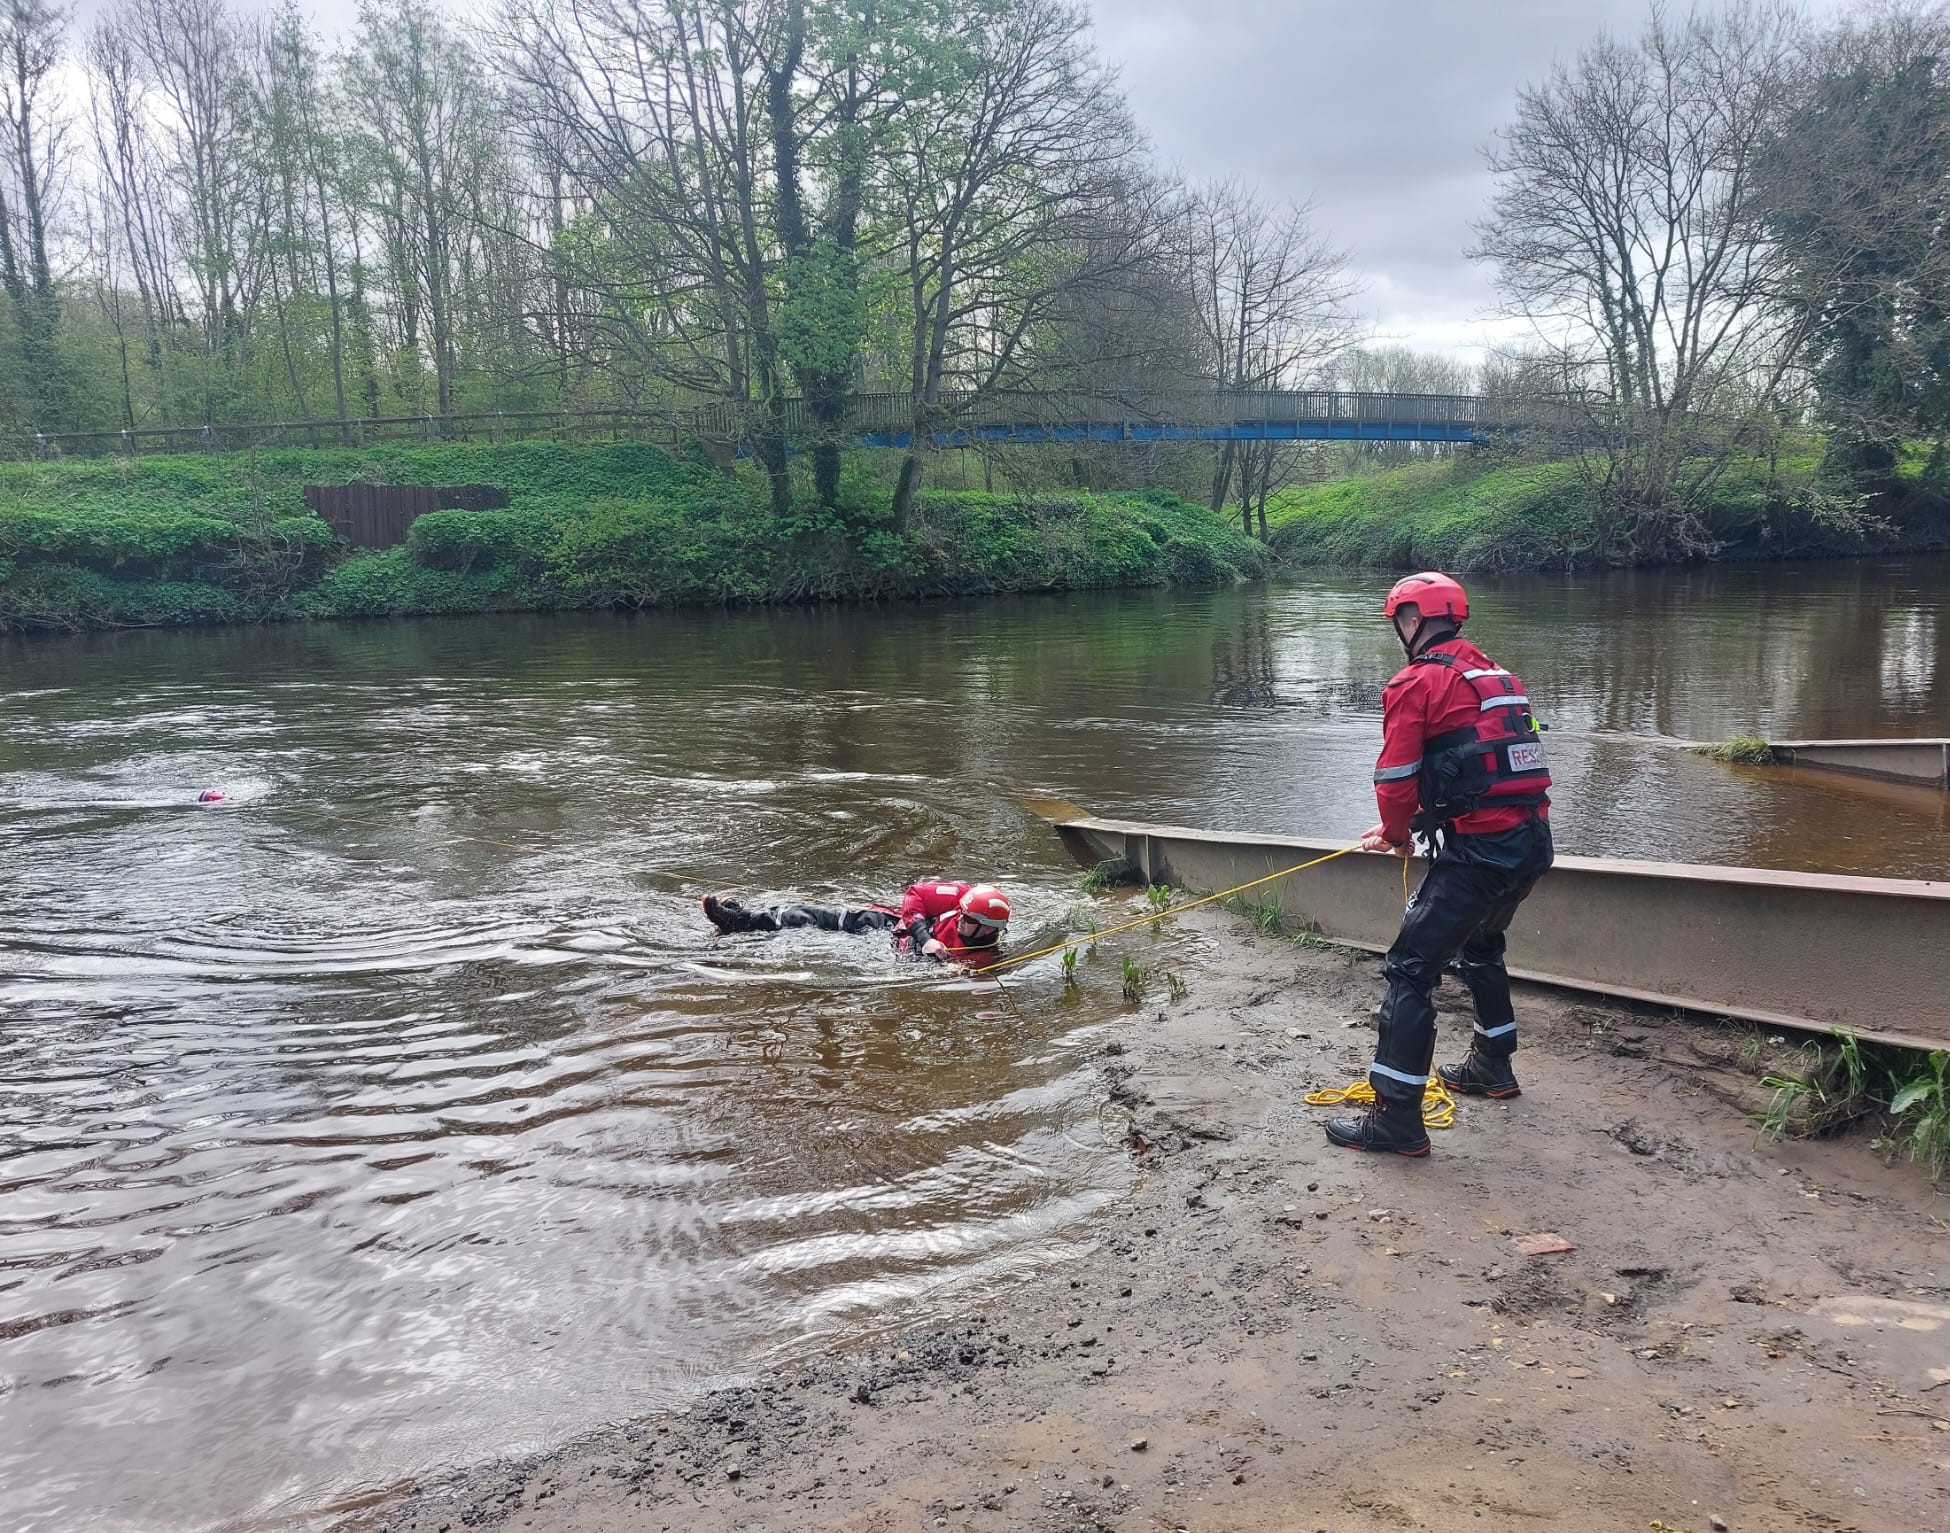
[1269,1334]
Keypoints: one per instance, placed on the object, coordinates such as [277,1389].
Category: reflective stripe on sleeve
[1397,773]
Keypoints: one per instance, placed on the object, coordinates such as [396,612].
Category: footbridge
[893,420]
[1237,415]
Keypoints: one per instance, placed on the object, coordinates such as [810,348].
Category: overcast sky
[1377,112]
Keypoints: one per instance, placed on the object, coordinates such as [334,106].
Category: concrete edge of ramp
[1913,761]
[1811,951]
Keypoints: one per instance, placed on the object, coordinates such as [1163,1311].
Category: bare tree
[1626,226]
[1005,186]
[426,122]
[190,54]
[133,197]
[33,143]
[654,110]
[1271,295]
[303,204]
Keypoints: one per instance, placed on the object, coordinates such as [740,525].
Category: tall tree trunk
[1222,476]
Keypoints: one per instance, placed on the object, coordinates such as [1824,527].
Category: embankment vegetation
[229,538]
[1482,512]
[1729,232]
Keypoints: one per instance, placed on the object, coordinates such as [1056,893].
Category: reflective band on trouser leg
[1496,1032]
[1403,1076]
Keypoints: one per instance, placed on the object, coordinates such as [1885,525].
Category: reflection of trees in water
[1909,655]
[1795,651]
[1257,707]
[1245,672]
[1265,659]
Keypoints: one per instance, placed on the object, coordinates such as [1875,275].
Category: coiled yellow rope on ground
[1438,1107]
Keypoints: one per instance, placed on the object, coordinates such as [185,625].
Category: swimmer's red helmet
[987,904]
[209,796]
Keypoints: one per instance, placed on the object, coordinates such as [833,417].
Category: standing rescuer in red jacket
[937,918]
[1462,765]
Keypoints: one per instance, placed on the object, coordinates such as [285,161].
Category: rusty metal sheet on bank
[1803,950]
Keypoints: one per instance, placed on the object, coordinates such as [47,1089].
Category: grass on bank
[1475,512]
[228,538]
[1740,750]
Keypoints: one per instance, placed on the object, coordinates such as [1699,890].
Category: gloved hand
[1376,841]
[933,949]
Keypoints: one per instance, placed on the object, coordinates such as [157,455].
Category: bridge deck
[892,420]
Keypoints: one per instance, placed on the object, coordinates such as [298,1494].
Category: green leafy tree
[1856,185]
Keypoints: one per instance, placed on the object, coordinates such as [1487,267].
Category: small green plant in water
[1070,966]
[1175,987]
[1158,896]
[1135,980]
[1111,873]
[1742,750]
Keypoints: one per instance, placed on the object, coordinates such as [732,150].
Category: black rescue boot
[1387,1126]
[727,915]
[1480,1075]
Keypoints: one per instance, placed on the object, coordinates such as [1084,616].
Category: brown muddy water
[401,1111]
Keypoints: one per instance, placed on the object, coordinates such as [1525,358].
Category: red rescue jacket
[938,902]
[1445,712]
[932,897]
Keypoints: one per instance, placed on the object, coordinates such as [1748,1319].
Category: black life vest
[1495,763]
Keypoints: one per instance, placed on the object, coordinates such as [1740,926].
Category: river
[401,1110]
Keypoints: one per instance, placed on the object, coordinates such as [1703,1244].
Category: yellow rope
[1159,915]
[1438,1107]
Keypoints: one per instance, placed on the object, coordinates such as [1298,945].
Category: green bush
[968,542]
[65,597]
[640,554]
[1451,514]
[390,583]
[224,538]
[462,541]
[1480,513]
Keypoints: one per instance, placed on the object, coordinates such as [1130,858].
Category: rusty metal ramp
[1811,951]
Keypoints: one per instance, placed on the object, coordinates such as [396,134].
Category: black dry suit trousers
[830,918]
[1463,908]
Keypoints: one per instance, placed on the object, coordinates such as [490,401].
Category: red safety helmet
[987,904]
[1431,593]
